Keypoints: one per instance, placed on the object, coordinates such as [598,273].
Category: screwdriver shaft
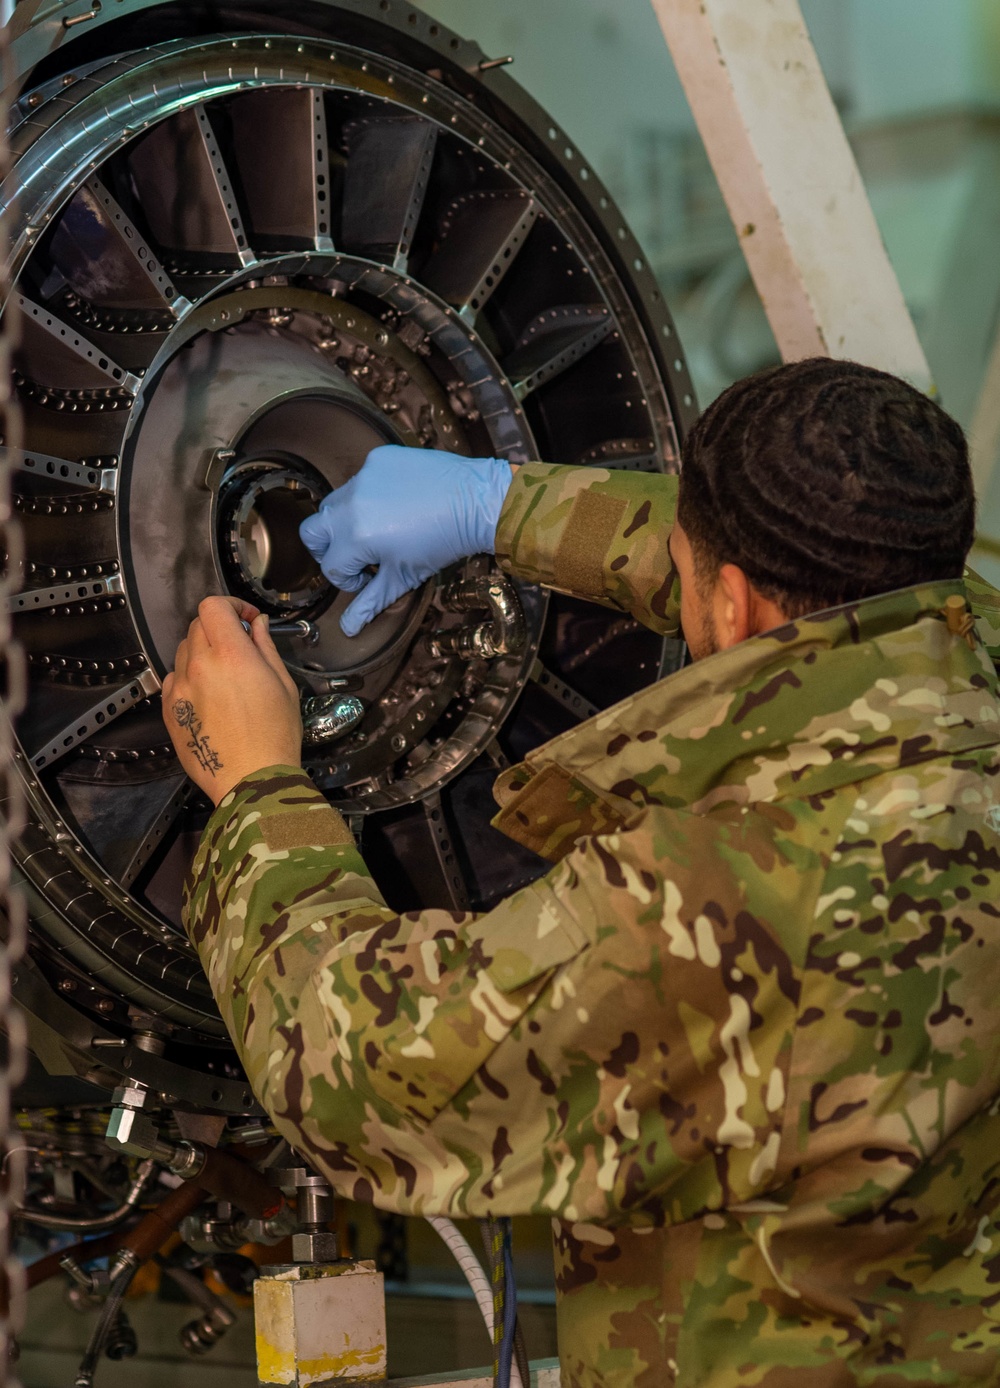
[305,631]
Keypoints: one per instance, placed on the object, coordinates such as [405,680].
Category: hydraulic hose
[228,1178]
[476,1278]
[87,1250]
[220,1175]
[469,1264]
[93,1224]
[136,1248]
[153,1230]
[105,1322]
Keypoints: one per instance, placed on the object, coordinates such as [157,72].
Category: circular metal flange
[262,503]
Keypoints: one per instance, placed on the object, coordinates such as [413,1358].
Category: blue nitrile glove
[411,512]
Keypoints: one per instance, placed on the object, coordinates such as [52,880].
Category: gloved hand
[409,511]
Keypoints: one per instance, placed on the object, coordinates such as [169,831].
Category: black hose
[122,1342]
[107,1319]
[509,1308]
[508,1338]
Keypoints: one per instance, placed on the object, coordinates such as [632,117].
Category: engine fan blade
[186,190]
[283,159]
[481,236]
[388,170]
[553,342]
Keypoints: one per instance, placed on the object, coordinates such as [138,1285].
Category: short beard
[705,641]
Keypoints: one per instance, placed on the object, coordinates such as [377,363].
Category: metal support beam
[791,183]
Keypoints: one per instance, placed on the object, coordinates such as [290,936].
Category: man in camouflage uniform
[741,1041]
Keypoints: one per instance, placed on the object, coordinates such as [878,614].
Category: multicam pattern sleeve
[602,535]
[596,534]
[390,1048]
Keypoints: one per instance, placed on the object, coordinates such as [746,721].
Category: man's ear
[733,607]
[740,609]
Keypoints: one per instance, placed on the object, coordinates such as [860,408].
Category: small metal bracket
[218,465]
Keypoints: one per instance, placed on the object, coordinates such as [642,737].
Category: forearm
[596,534]
[273,838]
[355,1025]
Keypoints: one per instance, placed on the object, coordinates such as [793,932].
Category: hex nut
[315,1248]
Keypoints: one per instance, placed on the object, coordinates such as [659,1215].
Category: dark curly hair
[827,482]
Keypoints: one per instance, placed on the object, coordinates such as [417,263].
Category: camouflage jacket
[738,1042]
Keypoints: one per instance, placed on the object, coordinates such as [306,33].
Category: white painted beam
[791,182]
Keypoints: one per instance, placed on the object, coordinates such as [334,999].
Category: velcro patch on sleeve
[321,827]
[578,563]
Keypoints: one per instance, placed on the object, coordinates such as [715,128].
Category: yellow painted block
[320,1322]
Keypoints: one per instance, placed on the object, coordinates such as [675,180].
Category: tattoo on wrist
[187,718]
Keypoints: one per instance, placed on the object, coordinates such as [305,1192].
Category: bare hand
[230,706]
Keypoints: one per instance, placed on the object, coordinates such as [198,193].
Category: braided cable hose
[520,1369]
[506,1366]
[493,1242]
[104,1326]
[95,1224]
[497,1241]
[474,1275]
